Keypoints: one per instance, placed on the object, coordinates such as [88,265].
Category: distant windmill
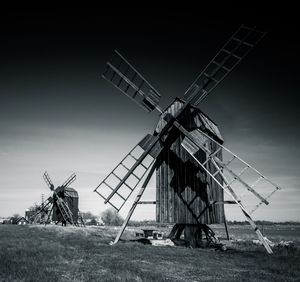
[62,205]
[193,168]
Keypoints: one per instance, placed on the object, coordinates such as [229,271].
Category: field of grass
[54,253]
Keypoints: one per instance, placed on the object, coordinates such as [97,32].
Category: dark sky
[56,112]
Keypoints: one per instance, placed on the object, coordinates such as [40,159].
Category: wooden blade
[70,180]
[236,48]
[189,146]
[119,184]
[48,180]
[121,74]
[243,178]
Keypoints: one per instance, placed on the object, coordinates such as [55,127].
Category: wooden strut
[226,227]
[135,203]
[49,215]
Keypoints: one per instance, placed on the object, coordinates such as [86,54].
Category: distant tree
[111,217]
[89,218]
[34,207]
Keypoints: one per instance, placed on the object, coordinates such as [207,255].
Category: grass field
[54,253]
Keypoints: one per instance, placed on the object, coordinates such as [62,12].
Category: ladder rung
[112,204]
[233,157]
[116,176]
[243,170]
[133,77]
[256,182]
[127,87]
[133,156]
[138,178]
[221,66]
[120,81]
[144,166]
[243,42]
[108,185]
[119,195]
[128,186]
[124,166]
[210,77]
[231,54]
[121,180]
[212,155]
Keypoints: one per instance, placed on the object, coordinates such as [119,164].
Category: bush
[111,217]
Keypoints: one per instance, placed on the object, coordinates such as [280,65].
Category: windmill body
[183,191]
[70,197]
[62,206]
[193,168]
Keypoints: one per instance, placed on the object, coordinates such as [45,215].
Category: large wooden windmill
[193,168]
[62,206]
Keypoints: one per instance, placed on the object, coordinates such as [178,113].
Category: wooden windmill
[62,206]
[193,168]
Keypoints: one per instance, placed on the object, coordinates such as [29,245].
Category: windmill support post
[226,228]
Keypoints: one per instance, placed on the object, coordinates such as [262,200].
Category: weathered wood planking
[183,190]
[70,196]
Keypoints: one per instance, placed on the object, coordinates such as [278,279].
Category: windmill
[62,205]
[195,174]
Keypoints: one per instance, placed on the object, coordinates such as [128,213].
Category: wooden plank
[158,203]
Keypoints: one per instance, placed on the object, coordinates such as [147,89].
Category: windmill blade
[118,185]
[243,180]
[48,180]
[192,146]
[235,49]
[43,207]
[70,180]
[121,74]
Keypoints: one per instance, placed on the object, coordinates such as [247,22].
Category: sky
[58,114]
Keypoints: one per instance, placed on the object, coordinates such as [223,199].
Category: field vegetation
[55,253]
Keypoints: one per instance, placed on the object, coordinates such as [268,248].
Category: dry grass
[54,253]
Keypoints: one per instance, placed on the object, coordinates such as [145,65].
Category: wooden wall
[72,202]
[183,188]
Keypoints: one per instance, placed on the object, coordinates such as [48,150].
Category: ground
[55,253]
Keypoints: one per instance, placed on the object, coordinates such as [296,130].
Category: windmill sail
[121,74]
[119,184]
[236,48]
[248,185]
[48,180]
[70,180]
[197,141]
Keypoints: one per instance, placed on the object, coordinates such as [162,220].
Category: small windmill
[193,168]
[62,205]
